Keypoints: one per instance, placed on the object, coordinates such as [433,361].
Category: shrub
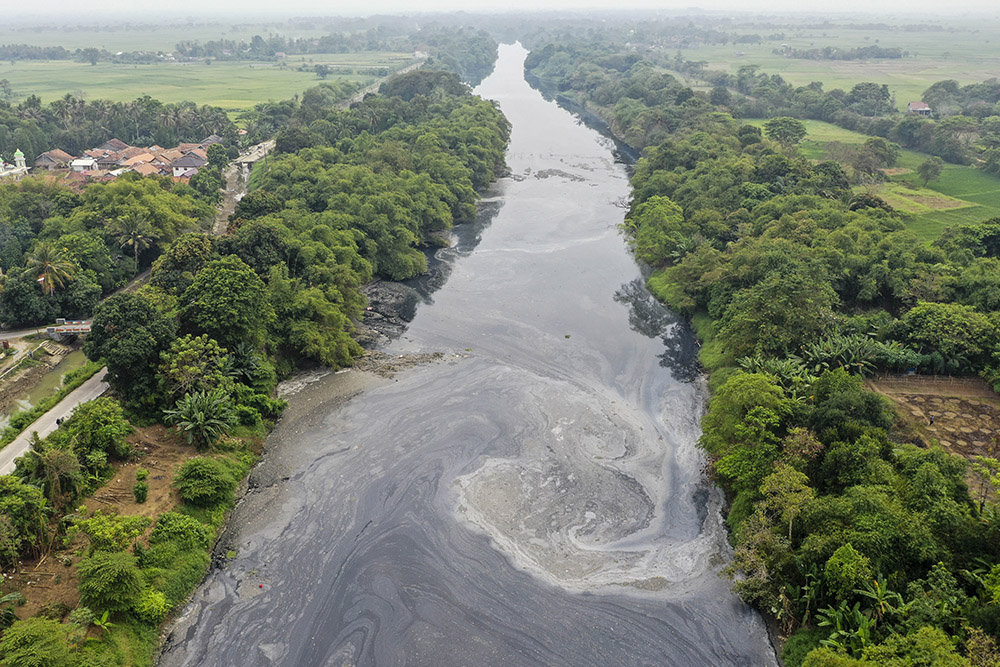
[110,532]
[205,482]
[110,581]
[181,529]
[141,474]
[141,491]
[248,416]
[152,606]
[36,642]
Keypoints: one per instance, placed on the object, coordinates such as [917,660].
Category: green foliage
[129,334]
[26,511]
[786,131]
[203,417]
[151,606]
[110,581]
[98,427]
[204,482]
[140,491]
[846,571]
[113,532]
[228,302]
[181,529]
[192,364]
[36,642]
[141,474]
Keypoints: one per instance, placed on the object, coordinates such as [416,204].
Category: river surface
[534,498]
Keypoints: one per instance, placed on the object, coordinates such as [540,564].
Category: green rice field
[963,195]
[233,86]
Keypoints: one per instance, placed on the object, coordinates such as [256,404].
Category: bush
[800,644]
[152,606]
[181,529]
[110,581]
[205,482]
[248,416]
[141,491]
[36,642]
[110,532]
[141,474]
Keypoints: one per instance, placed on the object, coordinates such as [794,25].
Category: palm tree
[132,230]
[49,266]
[202,416]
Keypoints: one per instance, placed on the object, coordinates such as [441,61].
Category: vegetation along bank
[105,526]
[861,543]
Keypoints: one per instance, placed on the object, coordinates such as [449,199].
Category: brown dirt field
[896,171]
[51,580]
[936,202]
[965,412]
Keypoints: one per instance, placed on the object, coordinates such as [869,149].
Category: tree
[50,266]
[846,571]
[175,269]
[202,416]
[205,482]
[113,532]
[322,71]
[110,580]
[129,334]
[931,169]
[659,229]
[132,230]
[97,431]
[218,157]
[227,301]
[25,507]
[786,491]
[193,364]
[786,131]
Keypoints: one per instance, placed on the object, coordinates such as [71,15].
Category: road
[45,424]
[11,335]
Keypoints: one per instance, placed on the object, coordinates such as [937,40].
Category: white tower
[19,159]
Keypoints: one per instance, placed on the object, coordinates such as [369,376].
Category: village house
[919,108]
[54,159]
[84,164]
[187,166]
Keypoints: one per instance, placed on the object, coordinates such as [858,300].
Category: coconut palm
[132,230]
[50,266]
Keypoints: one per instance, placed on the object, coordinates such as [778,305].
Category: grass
[233,86]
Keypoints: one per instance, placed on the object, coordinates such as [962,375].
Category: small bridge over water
[64,328]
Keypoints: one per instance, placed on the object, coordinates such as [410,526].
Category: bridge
[64,327]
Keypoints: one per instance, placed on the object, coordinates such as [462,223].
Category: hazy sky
[64,8]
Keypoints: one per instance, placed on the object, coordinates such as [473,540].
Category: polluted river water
[534,497]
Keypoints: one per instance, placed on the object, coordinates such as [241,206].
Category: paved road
[45,424]
[10,335]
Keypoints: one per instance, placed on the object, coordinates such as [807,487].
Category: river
[534,498]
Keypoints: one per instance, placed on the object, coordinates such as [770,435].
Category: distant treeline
[835,53]
[14,52]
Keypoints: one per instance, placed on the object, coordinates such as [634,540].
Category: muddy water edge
[533,495]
